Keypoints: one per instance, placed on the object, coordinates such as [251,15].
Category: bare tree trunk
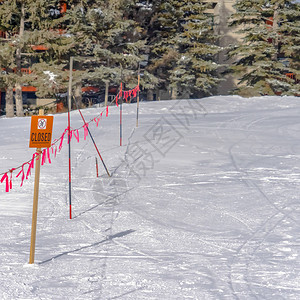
[106,93]
[150,95]
[18,87]
[19,100]
[106,88]
[158,94]
[275,30]
[174,93]
[9,102]
[78,94]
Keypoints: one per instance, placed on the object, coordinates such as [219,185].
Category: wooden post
[35,200]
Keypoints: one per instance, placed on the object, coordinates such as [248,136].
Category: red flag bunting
[5,177]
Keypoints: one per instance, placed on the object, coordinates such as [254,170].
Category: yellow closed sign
[41,131]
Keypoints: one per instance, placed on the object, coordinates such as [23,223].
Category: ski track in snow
[240,281]
[213,216]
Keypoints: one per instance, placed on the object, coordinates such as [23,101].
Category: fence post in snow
[35,200]
[138,100]
[69,130]
[121,109]
[97,171]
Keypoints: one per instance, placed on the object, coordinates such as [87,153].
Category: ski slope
[203,203]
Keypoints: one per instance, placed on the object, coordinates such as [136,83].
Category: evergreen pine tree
[7,76]
[26,24]
[142,13]
[267,59]
[183,48]
[110,41]
[51,66]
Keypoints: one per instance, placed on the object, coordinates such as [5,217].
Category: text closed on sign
[41,131]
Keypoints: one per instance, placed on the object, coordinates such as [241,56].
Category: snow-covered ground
[203,203]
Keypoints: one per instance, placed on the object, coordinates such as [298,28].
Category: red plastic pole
[70,177]
[69,130]
[121,109]
[121,123]
[97,172]
[138,100]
